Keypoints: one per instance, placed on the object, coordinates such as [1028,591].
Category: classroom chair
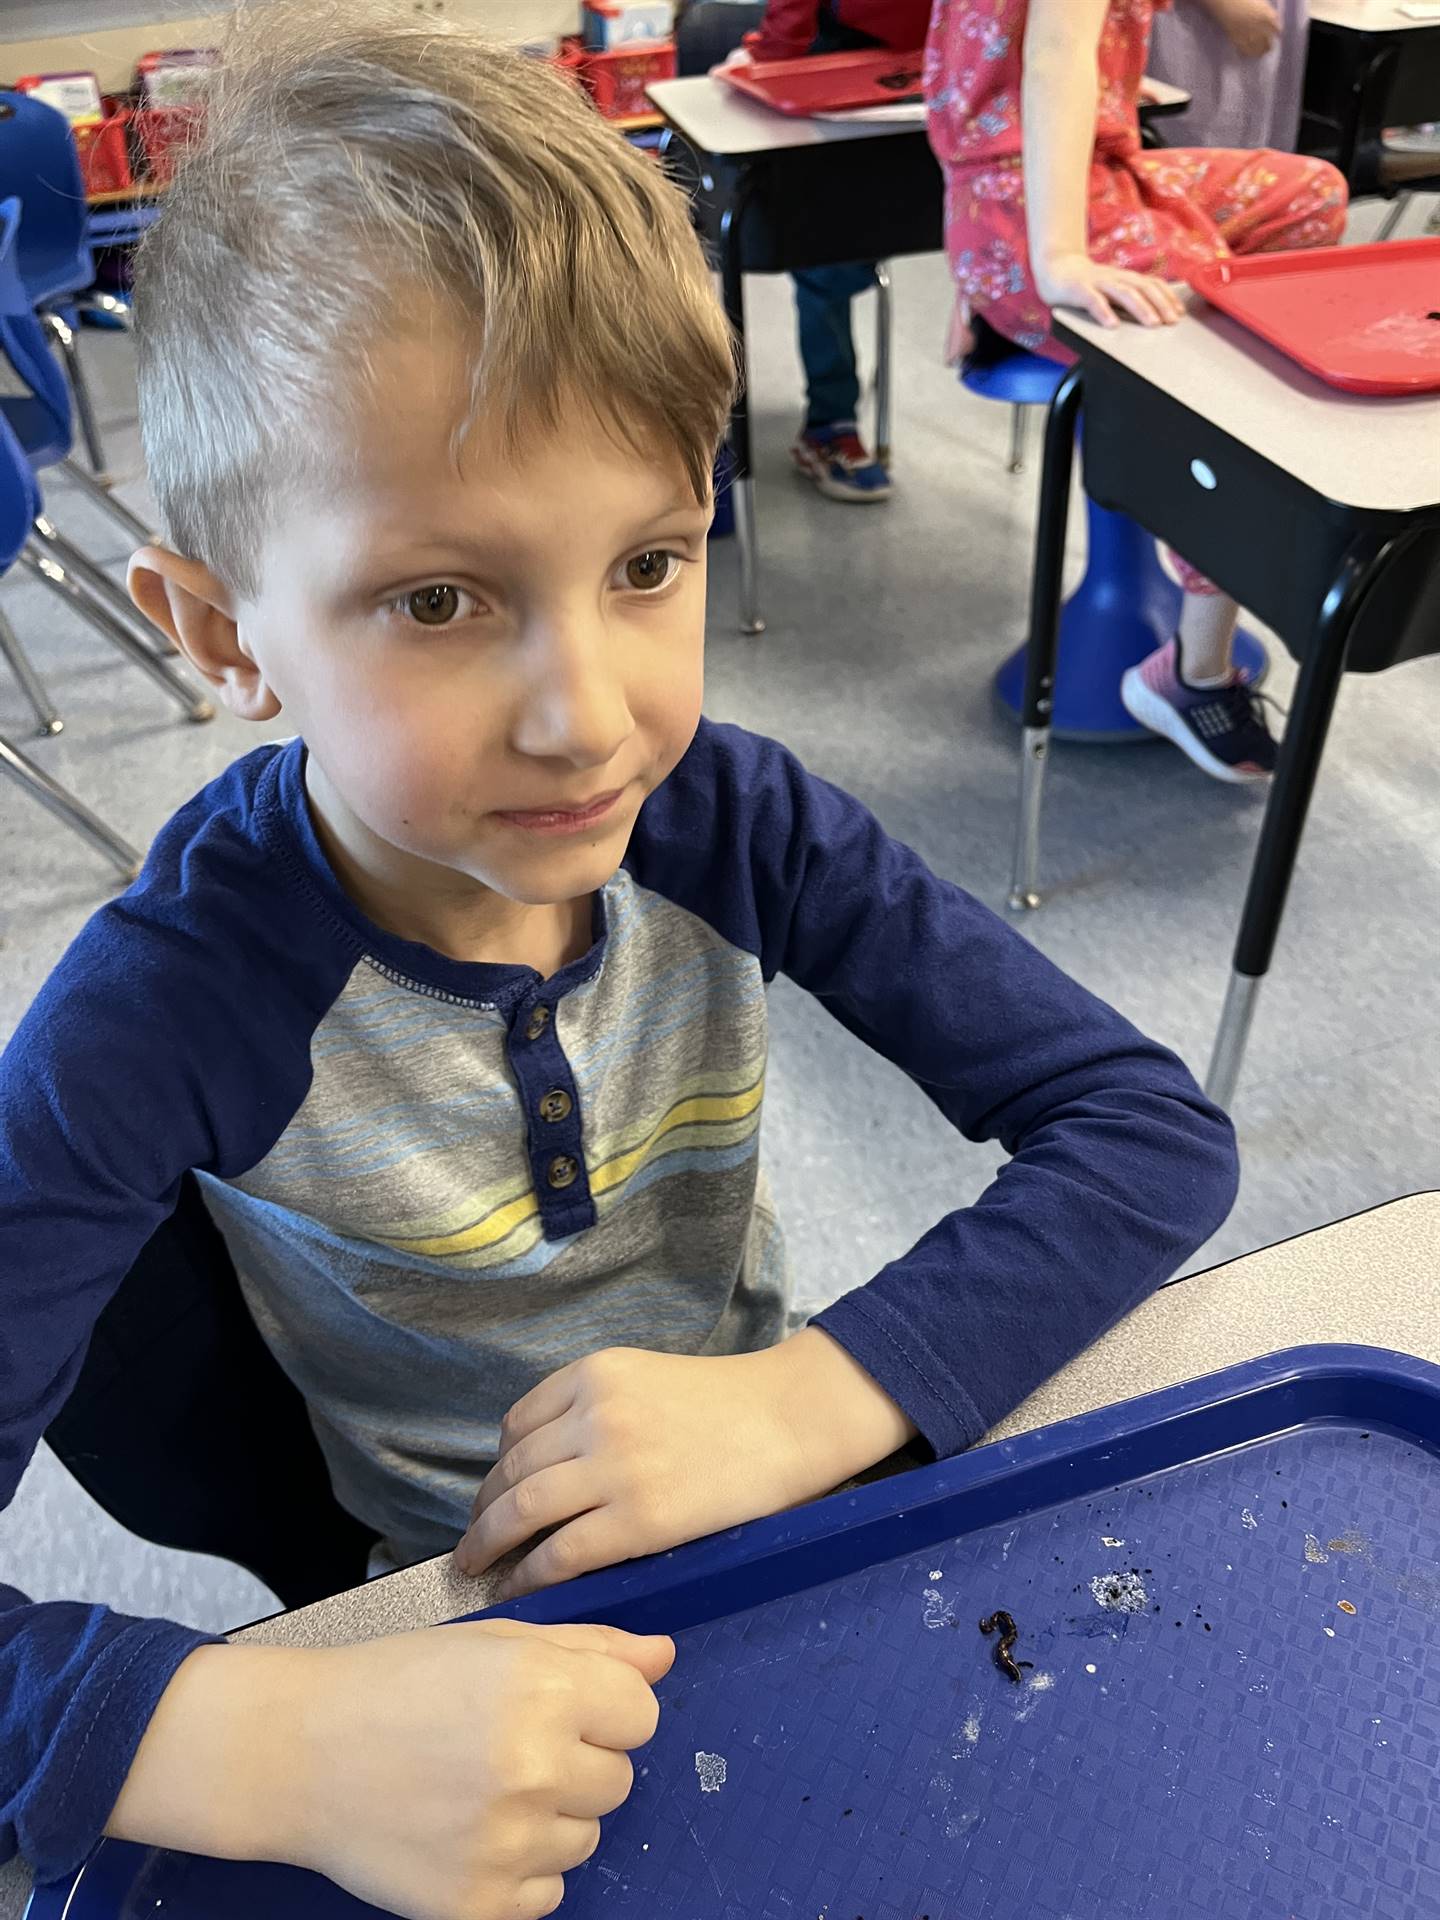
[1125,607]
[183,1427]
[19,499]
[40,422]
[40,165]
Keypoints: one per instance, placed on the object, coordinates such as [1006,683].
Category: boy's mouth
[559,820]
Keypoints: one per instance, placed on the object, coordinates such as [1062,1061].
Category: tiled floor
[884,630]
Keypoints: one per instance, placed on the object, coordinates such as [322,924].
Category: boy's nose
[573,706]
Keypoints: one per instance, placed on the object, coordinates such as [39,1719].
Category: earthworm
[1009,1633]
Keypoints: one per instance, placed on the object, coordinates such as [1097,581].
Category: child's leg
[1268,202]
[829,450]
[1190,692]
[827,342]
[1207,636]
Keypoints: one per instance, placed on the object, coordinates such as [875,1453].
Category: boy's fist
[459,1771]
[454,1773]
[627,1452]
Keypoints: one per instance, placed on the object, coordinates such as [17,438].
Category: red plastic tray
[831,82]
[1363,318]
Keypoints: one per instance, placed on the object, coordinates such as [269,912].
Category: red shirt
[790,26]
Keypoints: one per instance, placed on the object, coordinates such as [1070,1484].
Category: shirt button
[562,1170]
[537,1023]
[556,1105]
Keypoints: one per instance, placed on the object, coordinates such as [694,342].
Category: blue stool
[1124,608]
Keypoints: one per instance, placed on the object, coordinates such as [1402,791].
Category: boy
[456,1001]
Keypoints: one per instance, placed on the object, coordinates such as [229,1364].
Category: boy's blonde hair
[356,163]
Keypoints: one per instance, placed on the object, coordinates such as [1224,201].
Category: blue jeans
[827,342]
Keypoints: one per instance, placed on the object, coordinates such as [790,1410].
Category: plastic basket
[161,135]
[105,153]
[617,80]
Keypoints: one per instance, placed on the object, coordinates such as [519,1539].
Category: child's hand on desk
[1075,280]
[740,56]
[454,1773]
[628,1453]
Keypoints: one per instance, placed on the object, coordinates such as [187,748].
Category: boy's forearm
[843,1421]
[221,1767]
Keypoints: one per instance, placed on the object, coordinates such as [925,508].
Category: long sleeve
[1119,1166]
[786,31]
[790,27]
[173,1034]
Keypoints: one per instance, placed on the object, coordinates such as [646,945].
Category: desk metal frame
[1356,84]
[1311,568]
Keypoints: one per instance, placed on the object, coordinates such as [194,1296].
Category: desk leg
[1044,634]
[1363,112]
[1289,803]
[733,280]
[884,378]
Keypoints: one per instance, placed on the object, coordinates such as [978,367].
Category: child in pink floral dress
[1052,201]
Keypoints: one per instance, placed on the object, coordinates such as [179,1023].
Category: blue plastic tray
[1231,1595]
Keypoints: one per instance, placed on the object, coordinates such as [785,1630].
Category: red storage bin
[105,153]
[617,80]
[571,56]
[161,135]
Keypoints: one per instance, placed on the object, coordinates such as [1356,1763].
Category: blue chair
[19,500]
[1124,608]
[39,423]
[39,164]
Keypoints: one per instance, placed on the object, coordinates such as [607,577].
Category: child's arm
[453,1773]
[786,31]
[1251,26]
[175,1034]
[1119,1168]
[1059,110]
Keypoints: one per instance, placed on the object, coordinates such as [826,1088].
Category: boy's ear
[186,601]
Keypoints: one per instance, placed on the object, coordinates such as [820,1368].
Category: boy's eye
[648,572]
[436,605]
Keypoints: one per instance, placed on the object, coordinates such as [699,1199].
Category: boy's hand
[466,1768]
[454,1773]
[1252,26]
[1075,280]
[628,1453]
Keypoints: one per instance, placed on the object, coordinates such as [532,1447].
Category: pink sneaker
[1222,729]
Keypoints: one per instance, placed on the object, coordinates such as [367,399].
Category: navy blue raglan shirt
[440,1181]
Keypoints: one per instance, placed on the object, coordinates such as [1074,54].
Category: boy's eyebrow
[477,535]
[381,557]
[677,504]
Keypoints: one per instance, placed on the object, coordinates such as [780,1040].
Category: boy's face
[493,652]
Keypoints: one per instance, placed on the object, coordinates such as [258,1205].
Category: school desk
[1318,510]
[1366,1281]
[779,194]
[1370,66]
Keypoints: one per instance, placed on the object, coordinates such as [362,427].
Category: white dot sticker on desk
[1204,475]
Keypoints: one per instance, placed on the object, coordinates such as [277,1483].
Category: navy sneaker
[837,460]
[1222,729]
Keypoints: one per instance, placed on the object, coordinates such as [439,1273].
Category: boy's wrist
[224,1766]
[841,1420]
